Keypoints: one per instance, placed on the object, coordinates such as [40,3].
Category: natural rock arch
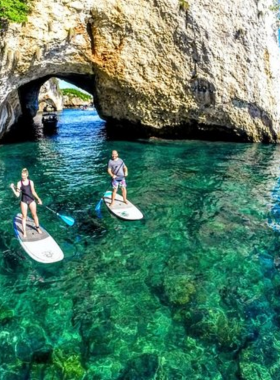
[152,66]
[28,93]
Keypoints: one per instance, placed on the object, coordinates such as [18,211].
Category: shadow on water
[23,132]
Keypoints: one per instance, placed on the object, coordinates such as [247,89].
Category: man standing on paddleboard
[28,195]
[118,171]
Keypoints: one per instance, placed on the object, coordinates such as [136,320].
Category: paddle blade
[67,219]
[99,204]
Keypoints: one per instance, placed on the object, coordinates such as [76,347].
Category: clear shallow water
[190,292]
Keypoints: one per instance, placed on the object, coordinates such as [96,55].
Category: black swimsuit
[26,193]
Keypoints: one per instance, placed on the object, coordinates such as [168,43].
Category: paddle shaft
[51,210]
[67,219]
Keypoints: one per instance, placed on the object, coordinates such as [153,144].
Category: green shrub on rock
[13,11]
[71,92]
[184,5]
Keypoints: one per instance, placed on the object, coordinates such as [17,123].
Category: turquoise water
[189,292]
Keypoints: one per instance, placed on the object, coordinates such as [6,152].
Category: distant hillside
[72,93]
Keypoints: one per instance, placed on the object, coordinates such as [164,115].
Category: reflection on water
[189,292]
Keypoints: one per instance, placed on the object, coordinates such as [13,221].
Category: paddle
[67,219]
[99,204]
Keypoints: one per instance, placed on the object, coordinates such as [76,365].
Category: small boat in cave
[49,117]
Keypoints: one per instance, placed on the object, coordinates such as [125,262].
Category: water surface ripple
[189,292]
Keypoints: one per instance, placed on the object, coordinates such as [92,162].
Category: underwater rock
[277,263]
[179,289]
[34,335]
[7,352]
[143,367]
[96,339]
[100,341]
[26,353]
[69,362]
[213,325]
[23,351]
[252,366]
[43,355]
[6,315]
[10,375]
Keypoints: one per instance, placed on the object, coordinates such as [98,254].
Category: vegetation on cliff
[71,92]
[184,5]
[13,11]
[276,8]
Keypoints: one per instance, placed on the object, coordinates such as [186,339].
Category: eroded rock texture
[202,69]
[50,96]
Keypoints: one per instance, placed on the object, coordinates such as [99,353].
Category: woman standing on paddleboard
[28,196]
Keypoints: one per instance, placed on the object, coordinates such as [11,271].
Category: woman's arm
[34,193]
[16,191]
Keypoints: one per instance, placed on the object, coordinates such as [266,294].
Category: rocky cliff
[50,94]
[73,98]
[166,67]
[75,102]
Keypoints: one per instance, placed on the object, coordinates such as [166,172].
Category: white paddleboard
[41,247]
[126,211]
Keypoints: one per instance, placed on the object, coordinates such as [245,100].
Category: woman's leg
[23,207]
[33,209]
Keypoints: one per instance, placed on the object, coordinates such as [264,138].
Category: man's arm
[125,170]
[111,174]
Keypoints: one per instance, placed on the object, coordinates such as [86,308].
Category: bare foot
[38,230]
[111,204]
[125,201]
[24,235]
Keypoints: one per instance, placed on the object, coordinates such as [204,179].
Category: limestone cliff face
[75,102]
[50,94]
[209,67]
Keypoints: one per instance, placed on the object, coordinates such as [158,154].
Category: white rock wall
[215,64]
[50,94]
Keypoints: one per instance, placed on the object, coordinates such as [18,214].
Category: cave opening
[27,125]
[29,92]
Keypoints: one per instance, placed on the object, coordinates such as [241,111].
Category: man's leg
[114,192]
[124,193]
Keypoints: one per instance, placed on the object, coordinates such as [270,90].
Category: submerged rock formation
[162,67]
